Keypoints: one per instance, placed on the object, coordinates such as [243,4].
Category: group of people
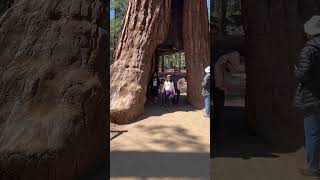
[169,88]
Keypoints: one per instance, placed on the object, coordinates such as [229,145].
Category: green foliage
[116,24]
[176,60]
[232,10]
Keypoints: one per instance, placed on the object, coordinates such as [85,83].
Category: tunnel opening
[169,59]
[172,64]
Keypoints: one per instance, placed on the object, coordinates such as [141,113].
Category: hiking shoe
[309,173]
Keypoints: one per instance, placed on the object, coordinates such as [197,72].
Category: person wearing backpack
[307,98]
[206,91]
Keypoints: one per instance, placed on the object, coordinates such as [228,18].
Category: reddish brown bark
[196,47]
[145,28]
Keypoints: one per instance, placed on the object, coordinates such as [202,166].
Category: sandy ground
[163,144]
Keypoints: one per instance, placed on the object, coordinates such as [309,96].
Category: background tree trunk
[271,82]
[222,15]
[145,28]
[196,47]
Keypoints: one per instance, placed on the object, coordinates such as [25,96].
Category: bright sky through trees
[112,10]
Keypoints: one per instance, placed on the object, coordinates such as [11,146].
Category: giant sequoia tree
[146,27]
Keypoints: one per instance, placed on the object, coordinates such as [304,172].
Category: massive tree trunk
[53,122]
[145,28]
[274,37]
[196,47]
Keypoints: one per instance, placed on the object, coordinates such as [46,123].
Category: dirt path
[162,145]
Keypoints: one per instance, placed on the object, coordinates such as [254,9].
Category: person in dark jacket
[175,79]
[307,98]
[154,85]
[206,91]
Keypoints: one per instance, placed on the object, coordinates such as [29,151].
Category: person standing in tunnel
[168,91]
[180,84]
[307,98]
[226,64]
[206,91]
[175,79]
[154,85]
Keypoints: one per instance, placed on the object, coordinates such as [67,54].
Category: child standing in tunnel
[168,90]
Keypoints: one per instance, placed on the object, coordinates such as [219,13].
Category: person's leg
[207,99]
[207,104]
[312,139]
[166,99]
[178,95]
[170,97]
[174,98]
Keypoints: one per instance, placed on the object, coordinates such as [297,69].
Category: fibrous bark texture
[195,28]
[274,37]
[53,57]
[174,35]
[145,28]
[4,5]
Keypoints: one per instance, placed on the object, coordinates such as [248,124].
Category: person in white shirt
[168,90]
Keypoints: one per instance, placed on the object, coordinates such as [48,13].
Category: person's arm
[303,65]
[205,80]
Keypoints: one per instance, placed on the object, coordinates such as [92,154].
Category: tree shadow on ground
[144,165]
[237,140]
[173,137]
[158,110]
[114,134]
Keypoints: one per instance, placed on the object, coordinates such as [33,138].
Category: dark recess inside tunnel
[5,5]
[174,39]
